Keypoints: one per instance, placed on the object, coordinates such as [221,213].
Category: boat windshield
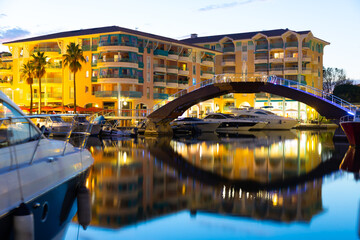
[14,129]
[56,119]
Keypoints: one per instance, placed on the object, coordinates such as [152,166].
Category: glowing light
[275,200]
[183,189]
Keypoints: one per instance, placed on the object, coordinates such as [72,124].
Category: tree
[73,58]
[39,62]
[348,92]
[27,72]
[334,77]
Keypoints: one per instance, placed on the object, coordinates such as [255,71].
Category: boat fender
[84,207]
[23,223]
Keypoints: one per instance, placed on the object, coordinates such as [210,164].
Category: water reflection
[273,176]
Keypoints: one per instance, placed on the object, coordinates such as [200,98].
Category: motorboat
[351,126]
[40,178]
[274,122]
[82,124]
[228,123]
[193,125]
[113,129]
[53,125]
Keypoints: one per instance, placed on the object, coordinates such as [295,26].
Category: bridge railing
[314,91]
[220,78]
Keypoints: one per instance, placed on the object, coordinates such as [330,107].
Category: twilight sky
[335,21]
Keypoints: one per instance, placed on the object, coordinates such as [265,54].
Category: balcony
[207,74]
[306,58]
[94,79]
[228,49]
[261,70]
[116,46]
[118,78]
[53,67]
[172,55]
[276,60]
[94,48]
[3,81]
[276,46]
[160,96]
[140,64]
[291,58]
[141,49]
[183,72]
[86,48]
[306,70]
[207,61]
[159,68]
[276,71]
[49,80]
[306,45]
[260,95]
[160,52]
[291,70]
[53,96]
[172,69]
[171,83]
[291,45]
[141,79]
[46,49]
[227,62]
[159,82]
[260,59]
[183,84]
[228,96]
[184,58]
[123,62]
[114,94]
[94,63]
[259,47]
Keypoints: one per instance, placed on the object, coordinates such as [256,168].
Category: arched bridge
[326,104]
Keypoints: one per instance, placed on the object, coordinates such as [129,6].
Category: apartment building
[294,55]
[125,69]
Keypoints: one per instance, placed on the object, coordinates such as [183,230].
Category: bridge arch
[325,104]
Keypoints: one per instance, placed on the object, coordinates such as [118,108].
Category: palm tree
[73,58]
[39,63]
[27,72]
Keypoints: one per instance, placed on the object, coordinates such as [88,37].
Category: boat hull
[62,208]
[352,131]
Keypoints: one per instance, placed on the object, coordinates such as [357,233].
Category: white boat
[229,124]
[40,175]
[53,125]
[274,122]
[82,124]
[190,124]
[114,130]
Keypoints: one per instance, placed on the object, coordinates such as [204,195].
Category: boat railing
[347,118]
[15,132]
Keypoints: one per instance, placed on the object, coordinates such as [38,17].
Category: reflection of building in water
[287,205]
[130,185]
[266,162]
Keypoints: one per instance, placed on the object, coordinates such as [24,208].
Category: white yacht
[40,178]
[193,124]
[229,124]
[274,122]
[54,125]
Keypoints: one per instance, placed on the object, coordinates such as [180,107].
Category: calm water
[265,184]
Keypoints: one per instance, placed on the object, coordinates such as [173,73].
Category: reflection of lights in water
[240,193]
[200,152]
[183,189]
[224,192]
[217,148]
[319,148]
[275,200]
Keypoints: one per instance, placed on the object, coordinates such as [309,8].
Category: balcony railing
[141,49]
[306,45]
[94,63]
[276,69]
[94,48]
[207,59]
[118,76]
[106,94]
[261,57]
[291,44]
[85,47]
[160,96]
[228,49]
[140,64]
[261,47]
[117,60]
[159,66]
[54,66]
[261,69]
[105,44]
[161,52]
[206,72]
[141,79]
[94,79]
[49,80]
[230,95]
[46,49]
[276,45]
[158,79]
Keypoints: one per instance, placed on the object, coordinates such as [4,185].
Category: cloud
[2,15]
[12,34]
[226,5]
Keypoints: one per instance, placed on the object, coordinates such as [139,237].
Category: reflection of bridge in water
[325,104]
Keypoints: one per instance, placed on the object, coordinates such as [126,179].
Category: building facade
[293,55]
[130,71]
[124,69]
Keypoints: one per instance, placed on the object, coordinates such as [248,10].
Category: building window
[71,76]
[244,48]
[148,62]
[194,70]
[148,77]
[148,93]
[244,57]
[86,89]
[194,81]
[87,74]
[87,58]
[212,47]
[71,92]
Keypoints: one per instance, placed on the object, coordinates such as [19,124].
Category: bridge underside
[177,107]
